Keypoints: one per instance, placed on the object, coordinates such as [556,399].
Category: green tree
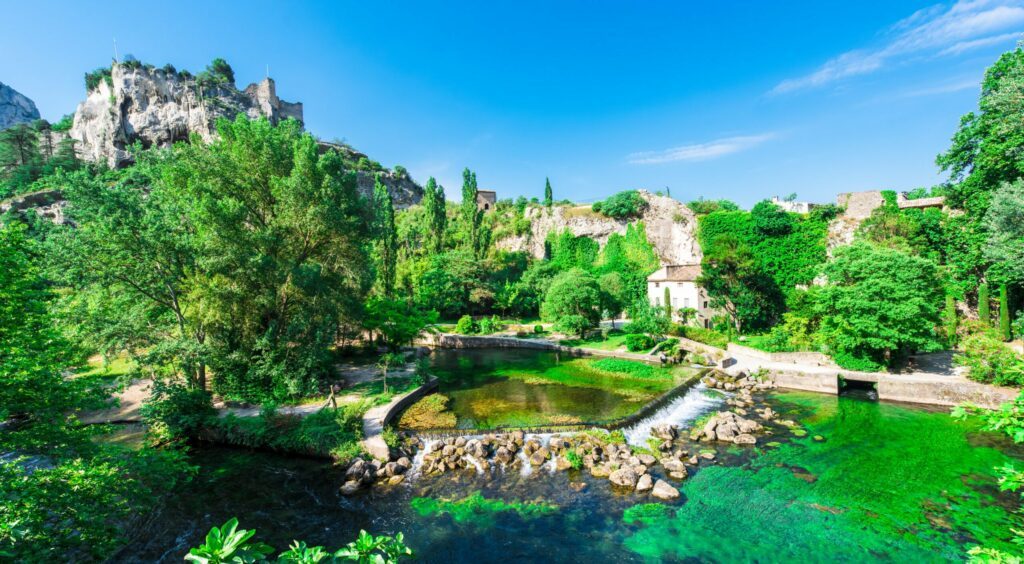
[472,217]
[397,321]
[574,292]
[133,263]
[548,196]
[770,219]
[385,238]
[613,294]
[437,218]
[736,284]
[878,305]
[1004,222]
[668,302]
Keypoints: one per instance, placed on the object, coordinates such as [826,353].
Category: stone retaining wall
[452,341]
[800,357]
[825,382]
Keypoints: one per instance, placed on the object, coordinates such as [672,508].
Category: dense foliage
[623,205]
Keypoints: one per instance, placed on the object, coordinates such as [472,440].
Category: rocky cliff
[671,228]
[15,107]
[158,107]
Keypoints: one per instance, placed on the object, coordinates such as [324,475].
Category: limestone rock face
[15,107]
[158,108]
[671,228]
[404,191]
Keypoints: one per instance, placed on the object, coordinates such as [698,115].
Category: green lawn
[612,343]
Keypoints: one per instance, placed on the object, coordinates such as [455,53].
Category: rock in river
[663,490]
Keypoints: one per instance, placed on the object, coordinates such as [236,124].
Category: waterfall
[680,411]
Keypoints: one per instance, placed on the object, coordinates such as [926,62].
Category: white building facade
[680,280]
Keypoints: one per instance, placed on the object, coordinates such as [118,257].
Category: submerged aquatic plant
[478,510]
[891,482]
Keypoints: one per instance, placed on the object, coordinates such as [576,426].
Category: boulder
[745,439]
[350,487]
[665,432]
[624,477]
[600,471]
[647,459]
[664,490]
[356,469]
[673,465]
[561,463]
[645,483]
[396,479]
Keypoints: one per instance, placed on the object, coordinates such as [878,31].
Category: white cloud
[979,43]
[968,84]
[967,24]
[701,151]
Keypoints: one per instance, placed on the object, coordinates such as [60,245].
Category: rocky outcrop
[671,228]
[157,108]
[15,107]
[48,204]
[404,192]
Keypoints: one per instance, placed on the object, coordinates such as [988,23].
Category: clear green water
[888,482]
[491,388]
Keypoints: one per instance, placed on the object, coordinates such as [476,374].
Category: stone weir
[644,413]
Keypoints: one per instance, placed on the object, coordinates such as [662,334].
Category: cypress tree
[984,304]
[1004,312]
[548,195]
[668,303]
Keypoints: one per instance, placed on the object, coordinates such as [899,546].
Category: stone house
[680,280]
[486,199]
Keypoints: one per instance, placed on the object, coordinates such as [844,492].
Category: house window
[675,302]
[657,284]
[657,301]
[686,302]
[705,305]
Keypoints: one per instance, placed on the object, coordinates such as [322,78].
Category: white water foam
[680,411]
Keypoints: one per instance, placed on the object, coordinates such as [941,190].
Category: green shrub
[851,361]
[93,79]
[491,324]
[175,413]
[466,326]
[702,335]
[64,124]
[538,329]
[622,205]
[573,325]
[574,459]
[639,342]
[989,360]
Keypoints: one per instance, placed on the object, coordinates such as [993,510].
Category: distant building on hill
[859,205]
[683,293]
[919,203]
[486,199]
[791,206]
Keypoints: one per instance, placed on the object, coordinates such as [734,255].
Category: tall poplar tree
[385,238]
[433,201]
[472,217]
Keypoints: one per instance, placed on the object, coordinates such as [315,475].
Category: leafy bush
[490,325]
[622,205]
[639,342]
[701,206]
[852,361]
[573,325]
[538,329]
[334,432]
[230,544]
[770,219]
[702,335]
[466,326]
[648,319]
[64,124]
[93,78]
[989,360]
[175,412]
[574,459]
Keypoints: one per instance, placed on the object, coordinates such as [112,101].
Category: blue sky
[740,101]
